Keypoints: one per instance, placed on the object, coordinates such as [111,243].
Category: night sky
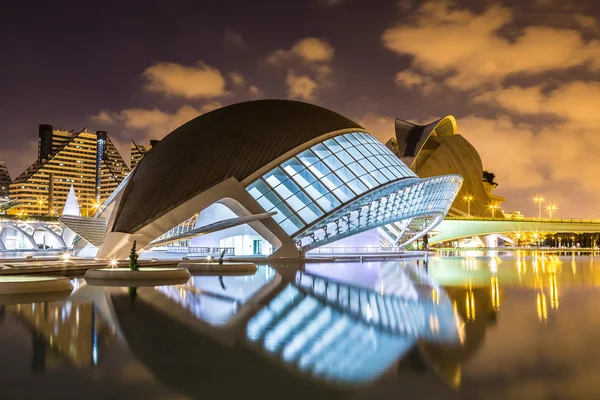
[523,81]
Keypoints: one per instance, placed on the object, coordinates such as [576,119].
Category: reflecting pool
[476,325]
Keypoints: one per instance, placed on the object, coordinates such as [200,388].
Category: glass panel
[304,178]
[333,162]
[343,141]
[355,153]
[367,165]
[376,162]
[320,150]
[286,189]
[282,212]
[292,166]
[333,145]
[357,169]
[258,188]
[269,200]
[319,169]
[379,176]
[275,177]
[316,190]
[345,174]
[364,150]
[310,213]
[308,157]
[357,186]
[331,181]
[292,224]
[352,138]
[369,181]
[328,202]
[344,194]
[299,201]
[345,157]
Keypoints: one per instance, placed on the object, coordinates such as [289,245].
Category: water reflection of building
[77,332]
[476,307]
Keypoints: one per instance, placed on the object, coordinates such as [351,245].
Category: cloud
[309,49]
[198,81]
[381,126]
[300,87]
[255,92]
[469,51]
[103,117]
[155,123]
[237,79]
[577,102]
[413,80]
[312,57]
[557,159]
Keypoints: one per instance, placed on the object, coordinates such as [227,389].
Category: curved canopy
[411,137]
[233,141]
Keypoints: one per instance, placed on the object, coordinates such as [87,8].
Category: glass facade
[411,199]
[320,179]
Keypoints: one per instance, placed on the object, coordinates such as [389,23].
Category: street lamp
[551,208]
[539,199]
[492,207]
[40,202]
[468,198]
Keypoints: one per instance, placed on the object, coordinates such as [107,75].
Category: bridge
[453,228]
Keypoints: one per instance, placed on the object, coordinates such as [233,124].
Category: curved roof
[411,137]
[233,141]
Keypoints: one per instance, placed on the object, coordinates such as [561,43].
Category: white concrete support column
[230,193]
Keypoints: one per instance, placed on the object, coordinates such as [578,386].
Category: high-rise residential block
[88,161]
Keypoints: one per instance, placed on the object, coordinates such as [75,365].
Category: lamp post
[40,202]
[468,198]
[539,199]
[492,207]
[551,208]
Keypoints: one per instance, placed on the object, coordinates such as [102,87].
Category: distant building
[4,180]
[87,161]
[437,149]
[139,151]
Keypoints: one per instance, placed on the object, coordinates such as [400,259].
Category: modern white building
[271,177]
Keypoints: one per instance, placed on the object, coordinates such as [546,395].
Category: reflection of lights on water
[460,325]
[470,305]
[542,307]
[495,293]
[553,292]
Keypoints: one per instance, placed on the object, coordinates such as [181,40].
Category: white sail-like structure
[71,205]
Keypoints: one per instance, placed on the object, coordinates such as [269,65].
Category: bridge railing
[530,219]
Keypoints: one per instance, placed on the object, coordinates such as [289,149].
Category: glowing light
[551,208]
[493,207]
[542,307]
[66,257]
[539,199]
[113,263]
[468,198]
[209,258]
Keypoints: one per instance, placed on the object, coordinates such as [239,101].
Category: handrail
[531,219]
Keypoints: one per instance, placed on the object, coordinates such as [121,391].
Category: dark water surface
[517,325]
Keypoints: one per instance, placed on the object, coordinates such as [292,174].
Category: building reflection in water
[215,299]
[75,331]
[341,333]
